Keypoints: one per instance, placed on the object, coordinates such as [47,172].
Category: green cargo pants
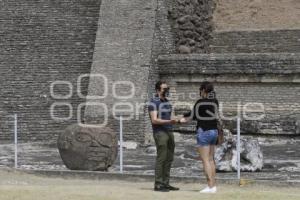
[165,145]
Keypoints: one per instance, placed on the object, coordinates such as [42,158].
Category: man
[160,114]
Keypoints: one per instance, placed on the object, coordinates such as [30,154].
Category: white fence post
[121,144]
[16,139]
[238,148]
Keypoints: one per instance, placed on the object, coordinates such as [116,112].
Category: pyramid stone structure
[66,62]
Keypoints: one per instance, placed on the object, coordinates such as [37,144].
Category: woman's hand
[183,120]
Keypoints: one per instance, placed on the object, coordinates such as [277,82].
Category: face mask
[166,92]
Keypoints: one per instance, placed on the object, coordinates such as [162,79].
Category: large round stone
[86,148]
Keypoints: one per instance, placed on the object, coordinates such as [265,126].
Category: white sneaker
[213,189]
[209,190]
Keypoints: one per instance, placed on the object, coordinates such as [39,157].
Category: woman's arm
[189,116]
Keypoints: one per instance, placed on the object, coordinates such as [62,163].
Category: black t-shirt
[204,111]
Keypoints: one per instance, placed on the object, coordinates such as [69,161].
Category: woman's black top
[204,111]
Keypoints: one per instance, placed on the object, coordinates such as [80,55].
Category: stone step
[230,63]
[256,41]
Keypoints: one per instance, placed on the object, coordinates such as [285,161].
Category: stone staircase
[42,42]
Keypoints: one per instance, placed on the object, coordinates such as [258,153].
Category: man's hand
[174,121]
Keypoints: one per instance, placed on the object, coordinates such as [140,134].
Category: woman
[205,112]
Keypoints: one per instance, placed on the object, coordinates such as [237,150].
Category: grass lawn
[18,186]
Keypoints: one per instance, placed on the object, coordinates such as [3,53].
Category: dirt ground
[257,14]
[16,185]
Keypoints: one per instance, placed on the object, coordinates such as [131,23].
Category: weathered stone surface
[85,148]
[42,42]
[256,41]
[281,159]
[151,150]
[191,19]
[130,145]
[64,43]
[267,79]
[221,64]
[251,155]
[123,52]
[286,123]
[184,49]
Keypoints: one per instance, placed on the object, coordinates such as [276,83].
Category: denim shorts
[208,137]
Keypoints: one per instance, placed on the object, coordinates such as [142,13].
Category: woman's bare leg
[204,153]
[212,163]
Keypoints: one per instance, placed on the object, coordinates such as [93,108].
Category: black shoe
[169,187]
[161,188]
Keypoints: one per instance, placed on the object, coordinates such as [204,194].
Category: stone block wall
[256,41]
[230,63]
[270,80]
[47,41]
[43,41]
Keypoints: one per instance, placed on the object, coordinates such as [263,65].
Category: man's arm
[157,121]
